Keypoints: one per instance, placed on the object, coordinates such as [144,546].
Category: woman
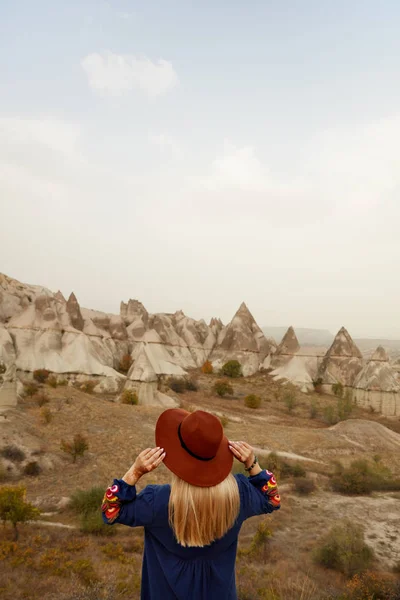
[192,525]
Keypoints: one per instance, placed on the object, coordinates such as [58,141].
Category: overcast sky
[196,154]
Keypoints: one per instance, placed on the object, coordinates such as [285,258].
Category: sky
[197,155]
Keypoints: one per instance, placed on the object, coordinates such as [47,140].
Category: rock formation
[242,340]
[342,362]
[291,364]
[377,385]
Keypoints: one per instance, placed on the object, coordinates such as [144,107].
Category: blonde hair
[200,515]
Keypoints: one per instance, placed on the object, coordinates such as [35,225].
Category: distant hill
[305,335]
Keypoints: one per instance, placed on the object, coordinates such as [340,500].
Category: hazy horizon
[194,157]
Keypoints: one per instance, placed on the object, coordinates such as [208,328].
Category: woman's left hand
[147,461]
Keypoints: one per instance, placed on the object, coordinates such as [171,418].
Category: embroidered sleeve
[114,498]
[265,482]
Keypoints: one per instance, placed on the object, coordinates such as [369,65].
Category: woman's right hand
[243,452]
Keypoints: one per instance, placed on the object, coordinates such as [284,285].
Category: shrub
[30,388]
[274,463]
[41,399]
[338,389]
[13,453]
[76,448]
[52,381]
[362,477]
[125,363]
[191,385]
[3,368]
[252,401]
[93,523]
[371,586]
[88,386]
[260,543]
[41,375]
[345,408]
[304,486]
[62,382]
[207,368]
[317,383]
[232,368]
[313,409]
[14,509]
[298,470]
[129,397]
[290,401]
[32,469]
[222,388]
[46,415]
[330,416]
[343,549]
[84,502]
[176,385]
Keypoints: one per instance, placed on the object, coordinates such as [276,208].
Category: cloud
[165,143]
[116,74]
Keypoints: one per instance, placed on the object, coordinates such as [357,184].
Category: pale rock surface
[293,364]
[151,360]
[242,340]
[377,385]
[342,362]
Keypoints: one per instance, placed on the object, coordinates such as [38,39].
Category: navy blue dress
[171,571]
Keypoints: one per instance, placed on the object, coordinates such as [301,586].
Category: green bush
[222,388]
[84,502]
[232,368]
[129,397]
[304,486]
[252,401]
[362,478]
[338,389]
[290,400]
[93,523]
[14,508]
[41,375]
[345,407]
[343,549]
[13,453]
[87,503]
[32,469]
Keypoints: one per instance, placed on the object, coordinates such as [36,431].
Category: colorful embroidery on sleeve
[111,503]
[270,489]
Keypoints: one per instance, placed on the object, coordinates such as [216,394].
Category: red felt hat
[196,449]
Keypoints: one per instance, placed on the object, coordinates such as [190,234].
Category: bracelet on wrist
[255,462]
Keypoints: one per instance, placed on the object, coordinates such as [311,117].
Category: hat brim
[181,463]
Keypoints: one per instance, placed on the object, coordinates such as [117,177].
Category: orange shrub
[207,368]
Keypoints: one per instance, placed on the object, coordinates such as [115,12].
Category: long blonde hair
[200,515]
